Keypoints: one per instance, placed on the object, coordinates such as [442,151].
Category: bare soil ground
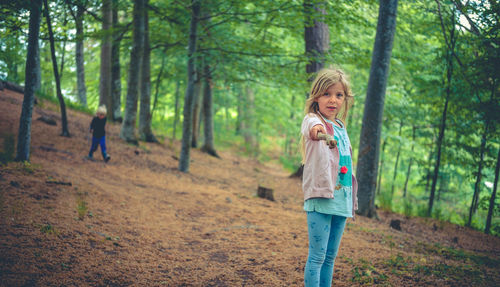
[138,221]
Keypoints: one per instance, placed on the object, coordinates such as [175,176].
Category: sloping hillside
[67,221]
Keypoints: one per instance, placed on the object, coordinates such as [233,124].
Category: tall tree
[105,73]
[30,81]
[79,55]
[145,131]
[317,36]
[208,127]
[127,131]
[491,208]
[116,84]
[369,144]
[62,105]
[187,124]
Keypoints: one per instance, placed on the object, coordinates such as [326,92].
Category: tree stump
[264,192]
[396,224]
[48,120]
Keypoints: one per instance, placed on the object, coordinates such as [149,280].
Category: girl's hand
[313,132]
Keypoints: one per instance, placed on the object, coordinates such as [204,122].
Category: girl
[328,184]
[97,128]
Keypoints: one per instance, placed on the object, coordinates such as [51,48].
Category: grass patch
[81,206]
[48,229]
[459,255]
[364,272]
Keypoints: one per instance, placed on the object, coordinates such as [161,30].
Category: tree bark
[62,105]
[127,131]
[493,196]
[30,82]
[105,73]
[176,108]
[196,110]
[145,131]
[317,36]
[187,124]
[369,145]
[79,57]
[208,130]
[116,84]
[381,167]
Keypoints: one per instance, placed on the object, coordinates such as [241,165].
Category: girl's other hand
[313,132]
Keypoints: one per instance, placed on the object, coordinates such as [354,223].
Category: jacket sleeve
[92,124]
[310,120]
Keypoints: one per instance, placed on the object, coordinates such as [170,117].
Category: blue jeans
[325,232]
[95,143]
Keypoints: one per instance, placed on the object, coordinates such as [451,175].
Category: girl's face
[101,116]
[331,101]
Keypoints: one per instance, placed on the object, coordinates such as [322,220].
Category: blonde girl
[328,184]
[98,130]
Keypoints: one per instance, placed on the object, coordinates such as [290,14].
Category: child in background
[97,128]
[328,184]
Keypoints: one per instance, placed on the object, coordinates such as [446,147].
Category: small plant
[48,229]
[81,208]
[407,208]
[385,200]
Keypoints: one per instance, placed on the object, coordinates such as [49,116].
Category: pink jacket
[321,167]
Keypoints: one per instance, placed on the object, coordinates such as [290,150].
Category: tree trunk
[248,128]
[208,131]
[410,162]
[317,36]
[127,131]
[145,131]
[79,57]
[492,198]
[176,111]
[369,144]
[381,168]
[30,82]
[105,73]
[187,125]
[64,120]
[116,84]
[442,128]
[196,110]
[397,160]
[477,185]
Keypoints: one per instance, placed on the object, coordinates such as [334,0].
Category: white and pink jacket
[321,167]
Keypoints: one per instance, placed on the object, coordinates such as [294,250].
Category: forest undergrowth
[137,220]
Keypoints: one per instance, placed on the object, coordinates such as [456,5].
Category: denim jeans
[95,143]
[325,232]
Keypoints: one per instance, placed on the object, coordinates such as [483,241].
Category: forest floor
[137,220]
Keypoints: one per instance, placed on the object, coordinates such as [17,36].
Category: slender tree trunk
[248,128]
[196,110]
[105,73]
[493,196]
[410,162]
[381,168]
[317,36]
[176,113]
[79,57]
[64,120]
[63,49]
[477,185]
[157,84]
[239,117]
[208,132]
[369,144]
[397,160]
[189,98]
[116,84]
[127,131]
[145,131]
[30,82]
[442,127]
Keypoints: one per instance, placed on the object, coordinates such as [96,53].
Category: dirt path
[138,221]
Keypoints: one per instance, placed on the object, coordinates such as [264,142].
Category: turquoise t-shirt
[341,204]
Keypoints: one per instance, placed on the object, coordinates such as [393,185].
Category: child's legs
[318,225]
[102,142]
[93,147]
[336,230]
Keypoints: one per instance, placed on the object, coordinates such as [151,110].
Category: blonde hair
[101,110]
[324,80]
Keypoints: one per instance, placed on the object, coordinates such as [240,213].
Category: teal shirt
[341,204]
